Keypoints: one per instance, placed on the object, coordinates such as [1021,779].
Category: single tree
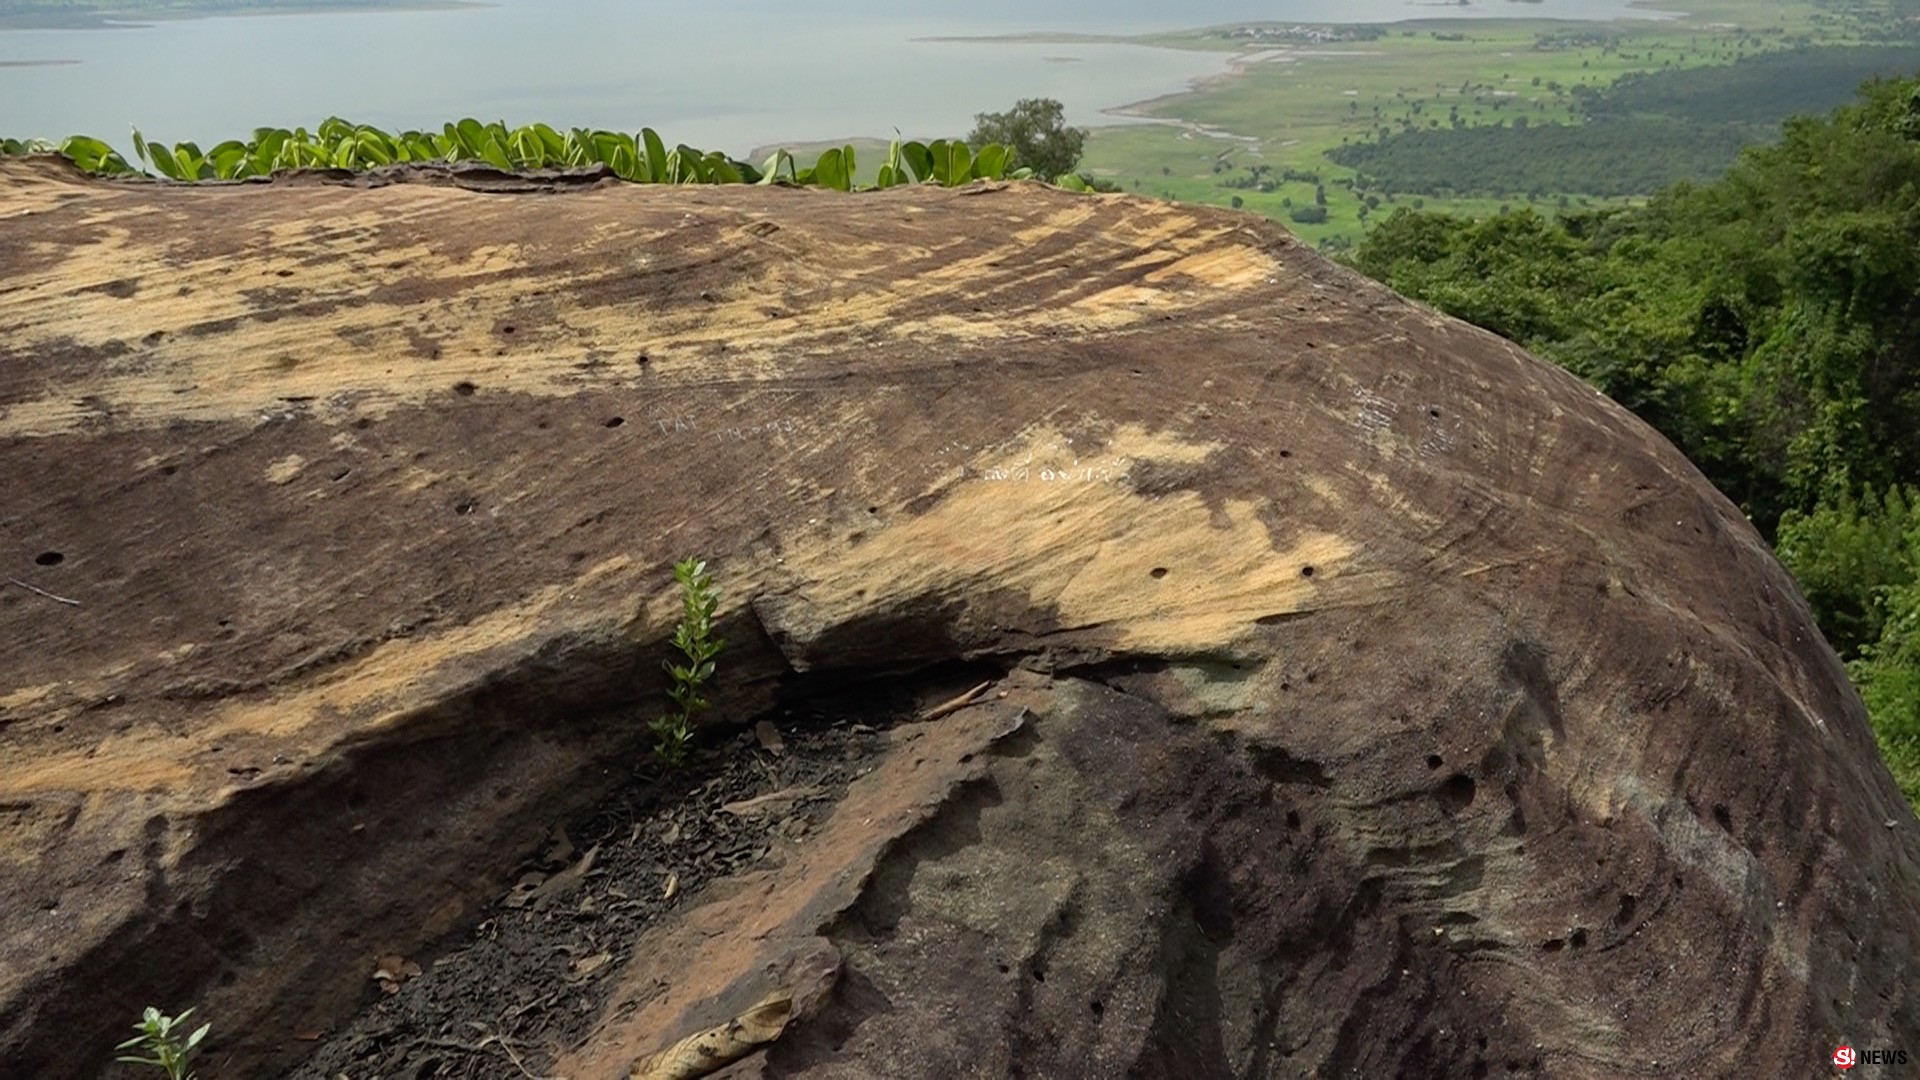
[1035,133]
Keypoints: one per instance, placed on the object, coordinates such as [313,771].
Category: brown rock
[1368,697]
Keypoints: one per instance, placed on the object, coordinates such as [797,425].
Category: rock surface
[1366,697]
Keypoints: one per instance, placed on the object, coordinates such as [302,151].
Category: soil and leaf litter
[495,1001]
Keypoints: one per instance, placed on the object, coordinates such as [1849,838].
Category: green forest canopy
[1641,134]
[1769,324]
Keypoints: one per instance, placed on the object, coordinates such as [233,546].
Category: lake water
[720,74]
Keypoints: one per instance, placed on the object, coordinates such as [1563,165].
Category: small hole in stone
[1306,571]
[1456,794]
[1039,975]
[1481,1042]
[616,421]
[1099,1007]
[508,329]
[1554,945]
[1158,572]
[1721,816]
[873,510]
[1628,905]
[49,558]
[1293,820]
[1003,968]
[1433,761]
[466,505]
[341,474]
[363,423]
[544,425]
[169,470]
[1579,938]
[464,388]
[643,360]
[1435,413]
[1286,453]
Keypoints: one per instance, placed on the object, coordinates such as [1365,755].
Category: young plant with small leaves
[162,1042]
[694,638]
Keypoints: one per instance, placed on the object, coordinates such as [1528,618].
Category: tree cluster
[1769,324]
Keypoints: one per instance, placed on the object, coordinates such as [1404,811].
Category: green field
[1286,103]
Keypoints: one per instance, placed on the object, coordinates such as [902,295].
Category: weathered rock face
[1365,695]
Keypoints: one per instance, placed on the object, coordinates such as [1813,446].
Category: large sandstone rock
[1368,697]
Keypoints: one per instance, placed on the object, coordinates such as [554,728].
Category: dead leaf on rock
[772,801]
[672,887]
[587,965]
[393,971]
[560,850]
[769,736]
[707,1052]
[524,889]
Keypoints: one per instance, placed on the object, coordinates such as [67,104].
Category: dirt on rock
[1178,657]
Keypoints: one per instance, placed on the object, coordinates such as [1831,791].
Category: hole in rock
[1434,761]
[1579,938]
[1457,793]
[464,388]
[1157,573]
[1628,905]
[1306,571]
[616,421]
[1721,817]
[49,558]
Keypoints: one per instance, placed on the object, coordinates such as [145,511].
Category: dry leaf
[587,965]
[673,886]
[394,970]
[560,850]
[707,1052]
[769,736]
[776,800]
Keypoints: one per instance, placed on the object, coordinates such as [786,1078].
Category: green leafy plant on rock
[161,1041]
[694,638]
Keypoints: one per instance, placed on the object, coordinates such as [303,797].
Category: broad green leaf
[919,158]
[990,162]
[472,136]
[492,154]
[375,147]
[230,161]
[831,170]
[656,155]
[770,170]
[722,170]
[552,141]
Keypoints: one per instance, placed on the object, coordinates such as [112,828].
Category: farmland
[1260,136]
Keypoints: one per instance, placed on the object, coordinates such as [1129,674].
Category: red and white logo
[1846,1057]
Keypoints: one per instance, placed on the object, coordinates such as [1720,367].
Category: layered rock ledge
[1364,695]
